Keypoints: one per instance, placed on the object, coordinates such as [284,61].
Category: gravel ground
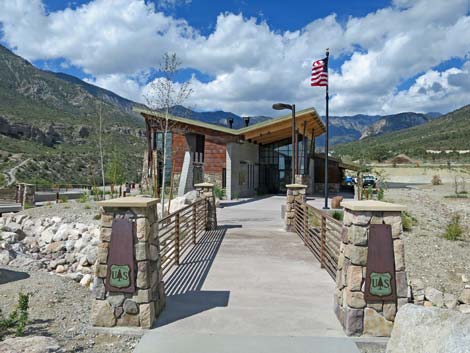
[440,263]
[70,212]
[59,308]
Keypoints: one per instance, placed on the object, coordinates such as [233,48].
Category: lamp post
[291,107]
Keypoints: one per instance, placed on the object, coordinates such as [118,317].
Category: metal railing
[321,233]
[180,230]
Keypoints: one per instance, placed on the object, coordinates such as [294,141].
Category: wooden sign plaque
[380,277]
[120,274]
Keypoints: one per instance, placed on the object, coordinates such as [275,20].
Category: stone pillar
[358,316]
[206,190]
[20,193]
[302,179]
[141,307]
[29,191]
[295,192]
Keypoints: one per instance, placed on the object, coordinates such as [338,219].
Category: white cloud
[116,41]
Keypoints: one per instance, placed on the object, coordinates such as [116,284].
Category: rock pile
[432,297]
[67,249]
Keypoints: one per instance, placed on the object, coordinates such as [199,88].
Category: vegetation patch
[454,229]
[17,319]
[408,221]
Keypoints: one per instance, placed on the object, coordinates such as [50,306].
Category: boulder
[430,330]
[29,344]
[435,296]
[465,296]
[5,257]
[190,197]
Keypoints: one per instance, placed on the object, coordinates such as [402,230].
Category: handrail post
[323,241]
[305,223]
[194,224]
[177,238]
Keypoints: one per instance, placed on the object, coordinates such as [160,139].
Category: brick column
[358,316]
[206,190]
[29,191]
[295,192]
[144,304]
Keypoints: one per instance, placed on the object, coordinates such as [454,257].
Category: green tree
[115,171]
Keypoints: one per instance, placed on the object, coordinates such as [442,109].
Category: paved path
[248,287]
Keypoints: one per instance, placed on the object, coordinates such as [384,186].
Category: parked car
[368,180]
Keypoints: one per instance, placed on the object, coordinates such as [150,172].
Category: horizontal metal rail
[180,230]
[321,233]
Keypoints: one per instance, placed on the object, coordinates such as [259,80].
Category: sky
[244,55]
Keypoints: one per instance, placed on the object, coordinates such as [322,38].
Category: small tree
[115,171]
[100,140]
[164,94]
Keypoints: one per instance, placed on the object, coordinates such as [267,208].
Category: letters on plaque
[120,275]
[380,276]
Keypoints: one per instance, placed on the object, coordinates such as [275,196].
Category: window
[199,152]
[224,178]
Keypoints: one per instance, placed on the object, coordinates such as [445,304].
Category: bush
[83,198]
[338,215]
[380,194]
[219,192]
[63,199]
[18,318]
[436,180]
[454,230]
[408,221]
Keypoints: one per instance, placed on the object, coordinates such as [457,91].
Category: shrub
[98,216]
[436,180]
[63,199]
[454,230]
[18,318]
[408,221]
[219,192]
[338,215]
[380,194]
[87,207]
[83,198]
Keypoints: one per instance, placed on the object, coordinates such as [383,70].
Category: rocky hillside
[449,132]
[51,121]
[395,122]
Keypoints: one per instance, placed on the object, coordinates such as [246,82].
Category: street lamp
[282,106]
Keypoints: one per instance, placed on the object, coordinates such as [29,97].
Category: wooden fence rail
[321,233]
[178,231]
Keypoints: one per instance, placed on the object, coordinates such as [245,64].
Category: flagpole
[327,135]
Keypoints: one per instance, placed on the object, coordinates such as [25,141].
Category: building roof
[264,132]
[341,164]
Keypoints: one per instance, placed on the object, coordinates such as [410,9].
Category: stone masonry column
[20,193]
[141,305]
[206,190]
[358,315]
[29,191]
[295,192]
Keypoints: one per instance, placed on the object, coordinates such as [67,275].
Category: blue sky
[386,56]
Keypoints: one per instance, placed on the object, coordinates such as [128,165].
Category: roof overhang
[268,131]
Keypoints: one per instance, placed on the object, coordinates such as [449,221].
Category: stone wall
[206,191]
[358,316]
[144,305]
[295,192]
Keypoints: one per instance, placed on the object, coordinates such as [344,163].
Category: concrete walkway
[248,287]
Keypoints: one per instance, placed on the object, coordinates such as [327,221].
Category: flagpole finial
[327,51]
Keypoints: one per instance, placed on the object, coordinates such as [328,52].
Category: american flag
[319,73]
